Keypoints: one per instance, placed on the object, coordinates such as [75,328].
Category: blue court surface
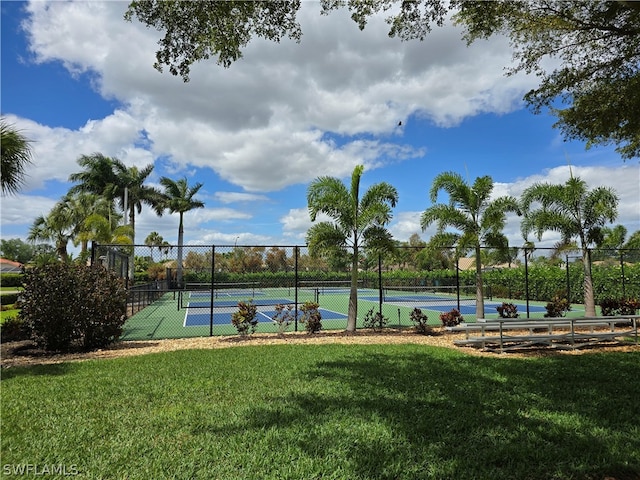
[440,304]
[489,308]
[198,319]
[207,294]
[234,303]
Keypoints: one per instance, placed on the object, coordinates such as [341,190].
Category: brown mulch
[26,353]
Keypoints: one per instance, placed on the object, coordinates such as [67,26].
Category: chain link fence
[193,291]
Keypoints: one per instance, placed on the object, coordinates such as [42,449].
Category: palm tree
[98,228]
[57,227]
[611,243]
[154,239]
[573,212]
[96,177]
[179,199]
[477,219]
[112,179]
[357,222]
[132,193]
[15,151]
[89,214]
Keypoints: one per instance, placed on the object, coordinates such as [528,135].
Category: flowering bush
[311,317]
[419,319]
[283,317]
[557,307]
[507,310]
[619,306]
[376,321]
[245,318]
[451,318]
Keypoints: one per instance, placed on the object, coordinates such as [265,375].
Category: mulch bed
[26,353]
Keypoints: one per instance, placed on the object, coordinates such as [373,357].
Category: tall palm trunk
[61,250]
[589,300]
[132,223]
[479,286]
[180,241]
[353,295]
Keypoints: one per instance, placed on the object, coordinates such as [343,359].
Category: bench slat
[569,332]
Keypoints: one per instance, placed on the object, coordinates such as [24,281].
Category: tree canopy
[15,155]
[357,221]
[573,211]
[476,218]
[594,90]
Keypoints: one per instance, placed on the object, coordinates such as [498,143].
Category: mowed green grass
[330,412]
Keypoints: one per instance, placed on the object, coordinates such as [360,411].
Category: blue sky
[78,79]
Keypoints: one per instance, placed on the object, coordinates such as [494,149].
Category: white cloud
[296,222]
[282,115]
[405,224]
[337,80]
[20,209]
[215,237]
[239,197]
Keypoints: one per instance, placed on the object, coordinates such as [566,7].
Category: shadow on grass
[438,415]
[54,369]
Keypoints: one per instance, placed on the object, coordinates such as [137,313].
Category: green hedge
[11,279]
[545,281]
[8,298]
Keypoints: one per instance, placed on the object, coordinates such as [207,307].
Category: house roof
[9,266]
[467,263]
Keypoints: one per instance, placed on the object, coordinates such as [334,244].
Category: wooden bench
[559,332]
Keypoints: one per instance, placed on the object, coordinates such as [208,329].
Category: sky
[77,79]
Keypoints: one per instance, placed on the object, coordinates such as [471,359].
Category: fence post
[458,281]
[295,284]
[526,277]
[624,294]
[568,279]
[380,282]
[213,273]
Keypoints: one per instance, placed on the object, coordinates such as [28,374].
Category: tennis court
[196,317]
[442,299]
[200,310]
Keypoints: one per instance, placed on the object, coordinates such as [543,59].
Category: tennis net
[329,287]
[227,295]
[429,294]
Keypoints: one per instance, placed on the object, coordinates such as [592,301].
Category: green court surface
[190,315]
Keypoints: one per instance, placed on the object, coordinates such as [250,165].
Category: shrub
[11,279]
[619,306]
[14,329]
[245,318]
[507,310]
[376,321]
[67,307]
[557,307]
[283,317]
[451,318]
[311,317]
[9,298]
[420,319]
[157,271]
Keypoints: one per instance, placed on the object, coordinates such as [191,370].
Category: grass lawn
[328,411]
[6,314]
